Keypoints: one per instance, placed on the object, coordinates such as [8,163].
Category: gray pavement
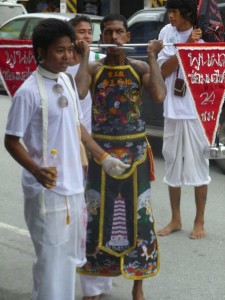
[190,270]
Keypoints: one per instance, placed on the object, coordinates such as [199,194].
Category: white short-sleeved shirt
[175,107]
[25,121]
[85,103]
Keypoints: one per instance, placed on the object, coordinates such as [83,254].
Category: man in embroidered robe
[45,113]
[120,232]
[83,31]
[184,143]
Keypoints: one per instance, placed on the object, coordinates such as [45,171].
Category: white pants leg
[53,273]
[184,147]
[95,285]
[59,246]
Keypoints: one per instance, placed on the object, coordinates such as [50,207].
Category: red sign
[16,63]
[204,68]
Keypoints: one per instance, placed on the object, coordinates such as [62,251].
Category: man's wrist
[151,55]
[102,157]
[34,170]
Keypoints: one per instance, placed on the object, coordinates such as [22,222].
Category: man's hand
[154,47]
[195,35]
[82,47]
[113,166]
[46,176]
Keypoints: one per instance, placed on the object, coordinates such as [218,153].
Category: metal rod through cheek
[125,46]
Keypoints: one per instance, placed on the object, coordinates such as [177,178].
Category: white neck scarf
[46,73]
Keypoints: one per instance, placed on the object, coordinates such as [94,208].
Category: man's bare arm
[91,144]
[113,166]
[153,81]
[45,176]
[171,65]
[82,78]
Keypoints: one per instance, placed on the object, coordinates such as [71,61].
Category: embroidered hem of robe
[116,246]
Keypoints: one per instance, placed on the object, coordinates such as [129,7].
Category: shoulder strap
[71,80]
[82,149]
[128,62]
[44,105]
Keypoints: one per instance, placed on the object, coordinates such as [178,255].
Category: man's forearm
[157,87]
[19,153]
[96,151]
[169,66]
[82,77]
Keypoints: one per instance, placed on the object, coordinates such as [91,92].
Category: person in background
[41,6]
[52,6]
[83,31]
[183,142]
[120,233]
[46,114]
[94,285]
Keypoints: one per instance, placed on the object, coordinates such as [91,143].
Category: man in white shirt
[184,142]
[46,115]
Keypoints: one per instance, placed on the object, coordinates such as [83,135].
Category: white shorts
[184,146]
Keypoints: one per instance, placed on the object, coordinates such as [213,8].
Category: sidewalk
[189,270]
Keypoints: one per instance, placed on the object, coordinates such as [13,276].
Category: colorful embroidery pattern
[120,234]
[117,103]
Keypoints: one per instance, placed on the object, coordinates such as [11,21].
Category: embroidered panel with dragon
[120,234]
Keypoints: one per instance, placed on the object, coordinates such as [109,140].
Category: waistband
[119,137]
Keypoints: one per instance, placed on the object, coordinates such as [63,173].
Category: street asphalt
[189,269]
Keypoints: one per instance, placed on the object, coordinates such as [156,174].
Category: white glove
[113,166]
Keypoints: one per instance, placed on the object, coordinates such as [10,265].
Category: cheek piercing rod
[125,46]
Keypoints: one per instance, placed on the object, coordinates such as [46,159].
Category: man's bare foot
[91,297]
[198,232]
[170,228]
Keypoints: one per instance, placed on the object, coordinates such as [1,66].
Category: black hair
[78,19]
[48,31]
[187,8]
[113,17]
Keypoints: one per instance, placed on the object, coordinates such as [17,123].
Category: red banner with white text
[16,63]
[204,69]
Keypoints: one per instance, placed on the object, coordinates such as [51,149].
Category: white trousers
[95,285]
[184,148]
[59,246]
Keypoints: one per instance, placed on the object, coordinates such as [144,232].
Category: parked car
[21,27]
[145,25]
[9,9]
